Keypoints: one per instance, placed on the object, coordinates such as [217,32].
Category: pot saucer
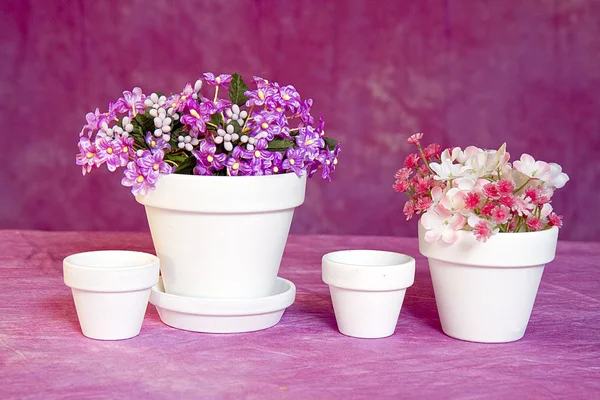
[208,315]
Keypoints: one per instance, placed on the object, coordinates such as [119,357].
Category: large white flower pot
[221,236]
[485,291]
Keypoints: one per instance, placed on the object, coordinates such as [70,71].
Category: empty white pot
[485,291]
[111,290]
[221,236]
[367,290]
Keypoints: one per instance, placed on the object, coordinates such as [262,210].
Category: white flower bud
[243,114]
[154,98]
[167,121]
[158,122]
[228,113]
[166,137]
[251,140]
[154,112]
[187,139]
[181,145]
[230,129]
[221,132]
[158,133]
[176,117]
[195,96]
[250,147]
[148,103]
[218,139]
[234,137]
[125,121]
[198,85]
[189,147]
[227,137]
[235,108]
[162,100]
[162,111]
[228,146]
[195,142]
[139,152]
[166,129]
[244,139]
[180,138]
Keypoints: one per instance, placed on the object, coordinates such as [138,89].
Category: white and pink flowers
[477,190]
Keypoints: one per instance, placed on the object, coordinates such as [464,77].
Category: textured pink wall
[525,72]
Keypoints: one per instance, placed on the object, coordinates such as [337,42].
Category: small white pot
[485,291]
[111,290]
[221,236]
[367,290]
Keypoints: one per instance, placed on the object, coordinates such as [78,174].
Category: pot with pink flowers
[487,229]
[220,169]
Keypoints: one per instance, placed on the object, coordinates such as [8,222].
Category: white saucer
[223,315]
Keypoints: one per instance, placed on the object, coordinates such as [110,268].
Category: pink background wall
[463,72]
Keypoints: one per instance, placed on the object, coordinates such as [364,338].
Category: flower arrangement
[265,131]
[477,190]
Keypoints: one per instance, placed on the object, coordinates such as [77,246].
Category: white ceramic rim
[71,260]
[224,307]
[395,271]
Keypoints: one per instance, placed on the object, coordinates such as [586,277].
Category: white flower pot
[111,290]
[485,291]
[367,290]
[221,236]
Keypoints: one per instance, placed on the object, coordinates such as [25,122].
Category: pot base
[211,315]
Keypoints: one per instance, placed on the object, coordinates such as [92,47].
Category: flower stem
[424,158]
[216,94]
[522,186]
[247,119]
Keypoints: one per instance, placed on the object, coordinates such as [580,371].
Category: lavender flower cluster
[265,131]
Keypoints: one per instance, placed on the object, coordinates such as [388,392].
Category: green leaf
[144,121]
[177,158]
[216,120]
[279,144]
[330,143]
[237,87]
[187,166]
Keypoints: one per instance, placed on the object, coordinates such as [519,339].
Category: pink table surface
[44,355]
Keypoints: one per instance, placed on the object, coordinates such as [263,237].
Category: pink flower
[532,193]
[423,203]
[528,166]
[512,225]
[401,186]
[403,174]
[487,209]
[508,200]
[555,220]
[411,160]
[421,184]
[534,223]
[491,191]
[482,231]
[415,139]
[501,214]
[505,187]
[442,223]
[409,209]
[472,201]
[522,206]
[432,151]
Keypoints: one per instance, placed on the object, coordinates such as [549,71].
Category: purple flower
[288,98]
[131,102]
[294,160]
[263,96]
[265,124]
[261,82]
[135,178]
[222,80]
[87,155]
[321,127]
[94,121]
[108,151]
[153,164]
[304,112]
[180,100]
[274,165]
[125,147]
[309,140]
[156,143]
[235,163]
[328,160]
[207,161]
[198,115]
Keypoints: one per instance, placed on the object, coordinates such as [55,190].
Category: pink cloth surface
[43,353]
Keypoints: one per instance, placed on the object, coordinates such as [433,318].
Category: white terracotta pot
[367,290]
[111,290]
[485,291]
[221,236]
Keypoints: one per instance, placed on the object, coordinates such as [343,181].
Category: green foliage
[279,144]
[330,143]
[237,87]
[186,165]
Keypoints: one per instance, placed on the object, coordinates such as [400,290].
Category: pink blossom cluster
[477,190]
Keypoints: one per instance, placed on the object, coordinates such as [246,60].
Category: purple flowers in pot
[235,131]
